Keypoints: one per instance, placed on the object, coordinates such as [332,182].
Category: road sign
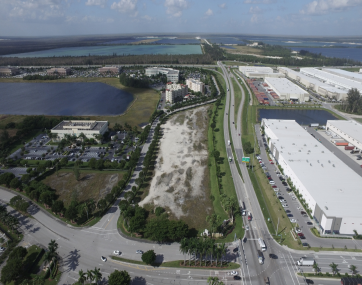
[245,159]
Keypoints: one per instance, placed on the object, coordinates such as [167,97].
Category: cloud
[100,3]
[176,7]
[255,10]
[260,1]
[126,6]
[326,6]
[254,18]
[209,12]
[148,18]
[222,6]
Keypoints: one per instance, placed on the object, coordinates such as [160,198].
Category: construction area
[181,178]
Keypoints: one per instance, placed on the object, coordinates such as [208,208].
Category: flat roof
[328,179]
[166,69]
[332,78]
[262,69]
[285,86]
[80,125]
[344,73]
[350,128]
[314,81]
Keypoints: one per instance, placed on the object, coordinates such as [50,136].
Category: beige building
[58,71]
[109,70]
[175,91]
[74,128]
[6,71]
[195,85]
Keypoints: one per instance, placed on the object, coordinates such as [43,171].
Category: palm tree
[204,249]
[183,248]
[353,269]
[97,274]
[82,277]
[334,267]
[223,249]
[90,275]
[213,281]
[213,220]
[316,267]
[210,248]
[53,246]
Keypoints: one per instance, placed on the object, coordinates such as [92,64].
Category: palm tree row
[91,275]
[204,248]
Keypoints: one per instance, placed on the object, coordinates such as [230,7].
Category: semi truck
[305,261]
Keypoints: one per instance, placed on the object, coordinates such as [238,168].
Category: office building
[8,71]
[259,72]
[331,190]
[60,71]
[171,74]
[74,128]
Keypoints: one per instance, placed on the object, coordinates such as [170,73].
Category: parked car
[139,251]
[117,252]
[297,230]
[104,259]
[285,205]
[292,220]
[274,186]
[300,234]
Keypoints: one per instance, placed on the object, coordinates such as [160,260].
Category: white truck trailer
[305,261]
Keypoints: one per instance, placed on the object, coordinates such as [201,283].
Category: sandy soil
[180,183]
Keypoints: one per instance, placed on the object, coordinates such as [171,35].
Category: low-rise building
[195,85]
[175,92]
[314,84]
[58,71]
[259,72]
[109,70]
[171,74]
[91,129]
[350,131]
[7,71]
[287,90]
[330,189]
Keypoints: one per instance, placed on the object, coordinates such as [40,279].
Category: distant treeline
[40,77]
[104,60]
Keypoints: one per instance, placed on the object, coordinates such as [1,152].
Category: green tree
[334,268]
[25,178]
[97,274]
[149,257]
[315,267]
[353,269]
[58,206]
[18,252]
[90,275]
[11,270]
[92,163]
[64,161]
[15,183]
[214,221]
[82,277]
[119,278]
[214,281]
[159,211]
[71,213]
[76,173]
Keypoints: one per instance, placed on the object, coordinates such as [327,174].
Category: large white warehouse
[287,90]
[315,84]
[259,72]
[330,188]
[350,131]
[344,73]
[332,79]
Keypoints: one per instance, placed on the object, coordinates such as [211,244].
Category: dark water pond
[62,99]
[303,117]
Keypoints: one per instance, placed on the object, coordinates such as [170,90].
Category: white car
[104,259]
[247,227]
[2,248]
[282,201]
[117,252]
[285,205]
[271,182]
[258,157]
[293,220]
[298,230]
[276,189]
[243,213]
[139,251]
[233,273]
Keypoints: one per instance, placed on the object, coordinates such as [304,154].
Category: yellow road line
[109,222]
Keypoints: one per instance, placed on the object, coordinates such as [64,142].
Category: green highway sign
[245,159]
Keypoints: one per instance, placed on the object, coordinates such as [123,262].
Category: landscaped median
[188,264]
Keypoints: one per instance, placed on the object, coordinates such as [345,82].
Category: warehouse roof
[80,125]
[332,184]
[332,78]
[262,69]
[284,86]
[350,128]
[313,80]
[346,74]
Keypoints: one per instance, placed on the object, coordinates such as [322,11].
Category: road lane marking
[109,222]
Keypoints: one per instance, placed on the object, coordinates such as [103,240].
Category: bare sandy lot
[181,179]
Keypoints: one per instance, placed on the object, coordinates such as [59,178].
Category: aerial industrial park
[223,157]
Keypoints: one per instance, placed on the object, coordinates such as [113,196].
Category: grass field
[244,50]
[139,111]
[91,185]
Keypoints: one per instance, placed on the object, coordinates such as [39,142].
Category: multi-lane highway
[83,248]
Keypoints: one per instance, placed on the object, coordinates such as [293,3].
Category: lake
[303,117]
[76,99]
[348,53]
[110,50]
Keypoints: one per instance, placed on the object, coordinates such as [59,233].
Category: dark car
[305,244]
[309,223]
[285,183]
[237,277]
[287,211]
[300,234]
[290,215]
[280,197]
[302,237]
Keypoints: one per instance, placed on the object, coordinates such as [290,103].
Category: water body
[302,117]
[348,53]
[78,99]
[109,50]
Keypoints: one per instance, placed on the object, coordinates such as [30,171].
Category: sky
[263,17]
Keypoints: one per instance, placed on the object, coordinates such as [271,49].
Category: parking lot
[40,149]
[290,203]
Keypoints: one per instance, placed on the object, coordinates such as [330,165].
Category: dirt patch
[181,178]
[90,185]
